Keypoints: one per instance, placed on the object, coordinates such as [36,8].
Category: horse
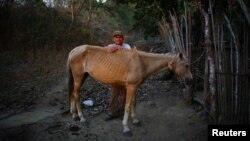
[125,68]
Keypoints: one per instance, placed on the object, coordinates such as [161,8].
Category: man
[117,91]
[118,44]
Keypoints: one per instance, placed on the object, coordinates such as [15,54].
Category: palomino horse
[126,68]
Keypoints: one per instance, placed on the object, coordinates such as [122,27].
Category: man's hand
[114,48]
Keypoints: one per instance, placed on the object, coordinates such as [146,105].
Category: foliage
[110,16]
[148,12]
[35,26]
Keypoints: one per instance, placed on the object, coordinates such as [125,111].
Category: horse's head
[181,67]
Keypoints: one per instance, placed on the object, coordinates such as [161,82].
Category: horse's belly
[108,78]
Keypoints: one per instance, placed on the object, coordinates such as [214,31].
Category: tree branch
[245,11]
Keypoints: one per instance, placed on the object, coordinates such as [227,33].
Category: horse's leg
[73,110]
[78,106]
[122,98]
[135,120]
[129,98]
[72,100]
[78,80]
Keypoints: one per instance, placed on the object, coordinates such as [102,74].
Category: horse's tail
[70,81]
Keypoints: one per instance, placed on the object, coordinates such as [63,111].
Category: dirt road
[161,109]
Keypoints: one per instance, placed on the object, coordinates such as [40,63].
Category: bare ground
[34,105]
[161,109]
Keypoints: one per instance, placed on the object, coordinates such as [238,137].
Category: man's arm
[113,48]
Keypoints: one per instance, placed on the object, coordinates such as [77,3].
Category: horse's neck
[156,63]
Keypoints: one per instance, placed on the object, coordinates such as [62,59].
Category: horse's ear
[170,64]
[181,55]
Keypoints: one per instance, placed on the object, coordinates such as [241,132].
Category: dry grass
[24,75]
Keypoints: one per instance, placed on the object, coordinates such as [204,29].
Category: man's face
[118,40]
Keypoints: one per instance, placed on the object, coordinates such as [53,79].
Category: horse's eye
[187,66]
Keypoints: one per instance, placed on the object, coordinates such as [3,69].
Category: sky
[50,2]
[103,1]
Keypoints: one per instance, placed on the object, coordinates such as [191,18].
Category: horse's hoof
[127,134]
[76,118]
[83,120]
[84,123]
[137,124]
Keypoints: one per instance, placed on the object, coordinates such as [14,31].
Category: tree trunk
[189,53]
[211,66]
[72,13]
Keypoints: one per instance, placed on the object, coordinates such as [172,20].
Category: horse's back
[81,49]
[102,65]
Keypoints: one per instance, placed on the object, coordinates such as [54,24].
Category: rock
[88,102]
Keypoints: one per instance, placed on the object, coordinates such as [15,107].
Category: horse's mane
[150,54]
[169,54]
